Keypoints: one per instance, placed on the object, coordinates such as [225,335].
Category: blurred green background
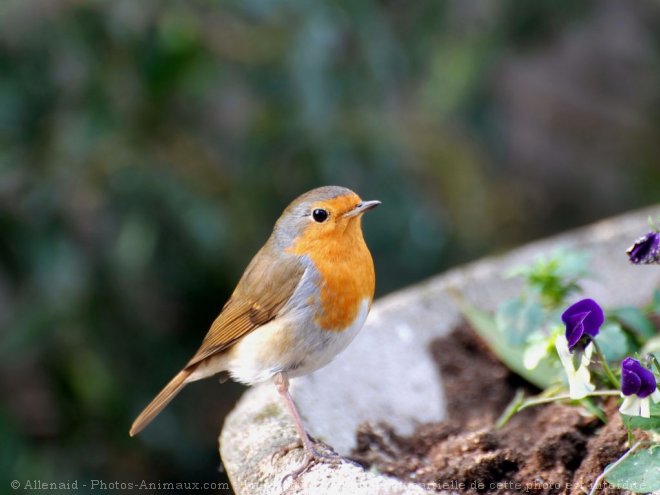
[146,148]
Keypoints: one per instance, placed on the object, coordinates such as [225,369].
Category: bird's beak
[360,208]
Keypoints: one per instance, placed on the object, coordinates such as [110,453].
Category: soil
[549,449]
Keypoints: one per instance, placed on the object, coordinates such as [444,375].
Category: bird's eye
[320,215]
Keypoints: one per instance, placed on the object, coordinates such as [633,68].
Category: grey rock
[387,374]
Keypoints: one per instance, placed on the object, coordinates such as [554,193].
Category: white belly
[294,345]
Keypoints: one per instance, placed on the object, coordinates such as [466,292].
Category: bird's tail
[160,401]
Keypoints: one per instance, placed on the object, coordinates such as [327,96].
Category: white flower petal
[579,381]
[630,406]
[645,407]
[655,395]
[563,352]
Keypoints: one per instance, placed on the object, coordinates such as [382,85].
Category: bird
[302,299]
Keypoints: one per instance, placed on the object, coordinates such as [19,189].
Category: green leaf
[638,473]
[572,265]
[613,342]
[544,375]
[518,318]
[555,277]
[537,347]
[561,263]
[589,404]
[649,424]
[635,320]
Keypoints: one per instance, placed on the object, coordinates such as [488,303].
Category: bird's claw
[285,449]
[312,459]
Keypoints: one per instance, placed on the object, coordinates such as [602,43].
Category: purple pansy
[585,316]
[638,389]
[636,379]
[646,249]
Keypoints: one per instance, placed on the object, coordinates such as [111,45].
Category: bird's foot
[312,458]
[285,449]
[298,444]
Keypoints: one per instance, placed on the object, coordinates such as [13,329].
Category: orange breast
[346,271]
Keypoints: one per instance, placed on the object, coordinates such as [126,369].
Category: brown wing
[267,284]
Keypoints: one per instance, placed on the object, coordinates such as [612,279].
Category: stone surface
[255,432]
[388,375]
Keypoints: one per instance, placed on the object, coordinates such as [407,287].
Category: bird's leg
[312,456]
[282,384]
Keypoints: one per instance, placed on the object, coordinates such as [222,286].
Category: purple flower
[636,379]
[638,389]
[646,249]
[585,316]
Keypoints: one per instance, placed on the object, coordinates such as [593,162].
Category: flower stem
[609,468]
[606,367]
[511,409]
[655,362]
[517,404]
[545,400]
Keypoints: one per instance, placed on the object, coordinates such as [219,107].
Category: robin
[302,299]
